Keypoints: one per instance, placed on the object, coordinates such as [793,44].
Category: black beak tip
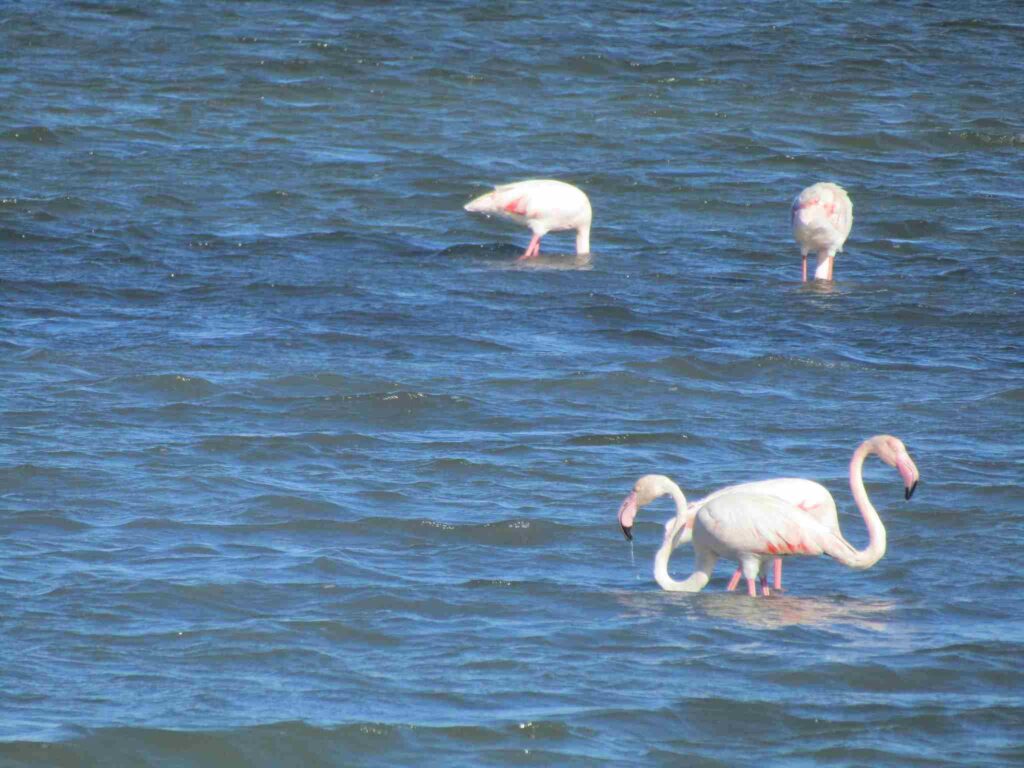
[628,533]
[910,491]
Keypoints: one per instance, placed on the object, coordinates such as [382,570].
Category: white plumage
[753,526]
[543,205]
[822,216]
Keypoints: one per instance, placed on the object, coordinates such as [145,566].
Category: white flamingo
[753,526]
[821,216]
[807,495]
[543,205]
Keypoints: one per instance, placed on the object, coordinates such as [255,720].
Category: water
[299,468]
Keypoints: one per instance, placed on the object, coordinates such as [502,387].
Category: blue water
[299,467]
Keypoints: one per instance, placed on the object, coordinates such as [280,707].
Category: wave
[631,438]
[177,386]
[31,134]
[516,532]
[275,744]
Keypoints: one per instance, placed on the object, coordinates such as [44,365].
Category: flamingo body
[808,496]
[747,524]
[821,216]
[543,205]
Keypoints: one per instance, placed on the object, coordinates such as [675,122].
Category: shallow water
[299,467]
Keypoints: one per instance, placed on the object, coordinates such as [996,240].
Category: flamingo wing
[762,524]
[807,495]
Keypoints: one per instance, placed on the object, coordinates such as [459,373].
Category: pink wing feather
[764,525]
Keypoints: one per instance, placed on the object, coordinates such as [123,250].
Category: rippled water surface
[299,467]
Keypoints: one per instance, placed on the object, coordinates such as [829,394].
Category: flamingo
[543,205]
[807,495]
[821,217]
[753,526]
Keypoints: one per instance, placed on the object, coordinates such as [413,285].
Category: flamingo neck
[583,240]
[823,271]
[864,558]
[672,534]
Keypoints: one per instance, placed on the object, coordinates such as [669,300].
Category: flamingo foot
[734,580]
[532,250]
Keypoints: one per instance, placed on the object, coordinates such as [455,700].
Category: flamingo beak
[910,476]
[627,513]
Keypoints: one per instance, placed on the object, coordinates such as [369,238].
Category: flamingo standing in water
[753,526]
[543,205]
[821,216]
[806,495]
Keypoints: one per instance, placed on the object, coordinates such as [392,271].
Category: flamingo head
[647,489]
[893,452]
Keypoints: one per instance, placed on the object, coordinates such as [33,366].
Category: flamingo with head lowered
[807,495]
[752,526]
[821,216]
[543,205]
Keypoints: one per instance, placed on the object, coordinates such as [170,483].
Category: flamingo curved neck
[697,581]
[864,558]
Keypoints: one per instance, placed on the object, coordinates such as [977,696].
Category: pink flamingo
[753,526]
[543,205]
[821,216]
[807,495]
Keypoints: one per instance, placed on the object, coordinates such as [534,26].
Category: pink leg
[778,573]
[750,588]
[532,250]
[764,587]
[805,268]
[734,580]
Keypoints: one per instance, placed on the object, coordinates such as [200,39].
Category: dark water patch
[241,527]
[29,523]
[32,134]
[302,511]
[682,366]
[276,744]
[1014,394]
[912,229]
[457,469]
[168,202]
[337,632]
[175,387]
[954,139]
[504,533]
[279,198]
[629,439]
[195,550]
[607,312]
[404,407]
[635,337]
[876,677]
[28,476]
[504,252]
[15,236]
[269,448]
